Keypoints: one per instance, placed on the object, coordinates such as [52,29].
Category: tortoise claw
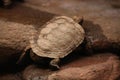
[54,63]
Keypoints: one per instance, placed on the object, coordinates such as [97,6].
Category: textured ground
[102,26]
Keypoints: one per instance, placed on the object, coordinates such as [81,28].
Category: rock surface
[108,70]
[16,29]
[101,23]
[102,33]
[101,63]
[10,76]
[34,72]
[15,39]
[101,19]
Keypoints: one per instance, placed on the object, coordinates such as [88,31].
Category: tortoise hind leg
[54,63]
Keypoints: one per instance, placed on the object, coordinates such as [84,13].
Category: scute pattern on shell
[57,38]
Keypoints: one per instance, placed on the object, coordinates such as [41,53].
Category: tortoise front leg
[54,63]
[23,55]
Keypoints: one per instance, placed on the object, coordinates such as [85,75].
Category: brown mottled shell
[58,37]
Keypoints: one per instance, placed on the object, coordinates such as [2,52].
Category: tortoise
[56,39]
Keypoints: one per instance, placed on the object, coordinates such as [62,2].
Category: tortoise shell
[57,38]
